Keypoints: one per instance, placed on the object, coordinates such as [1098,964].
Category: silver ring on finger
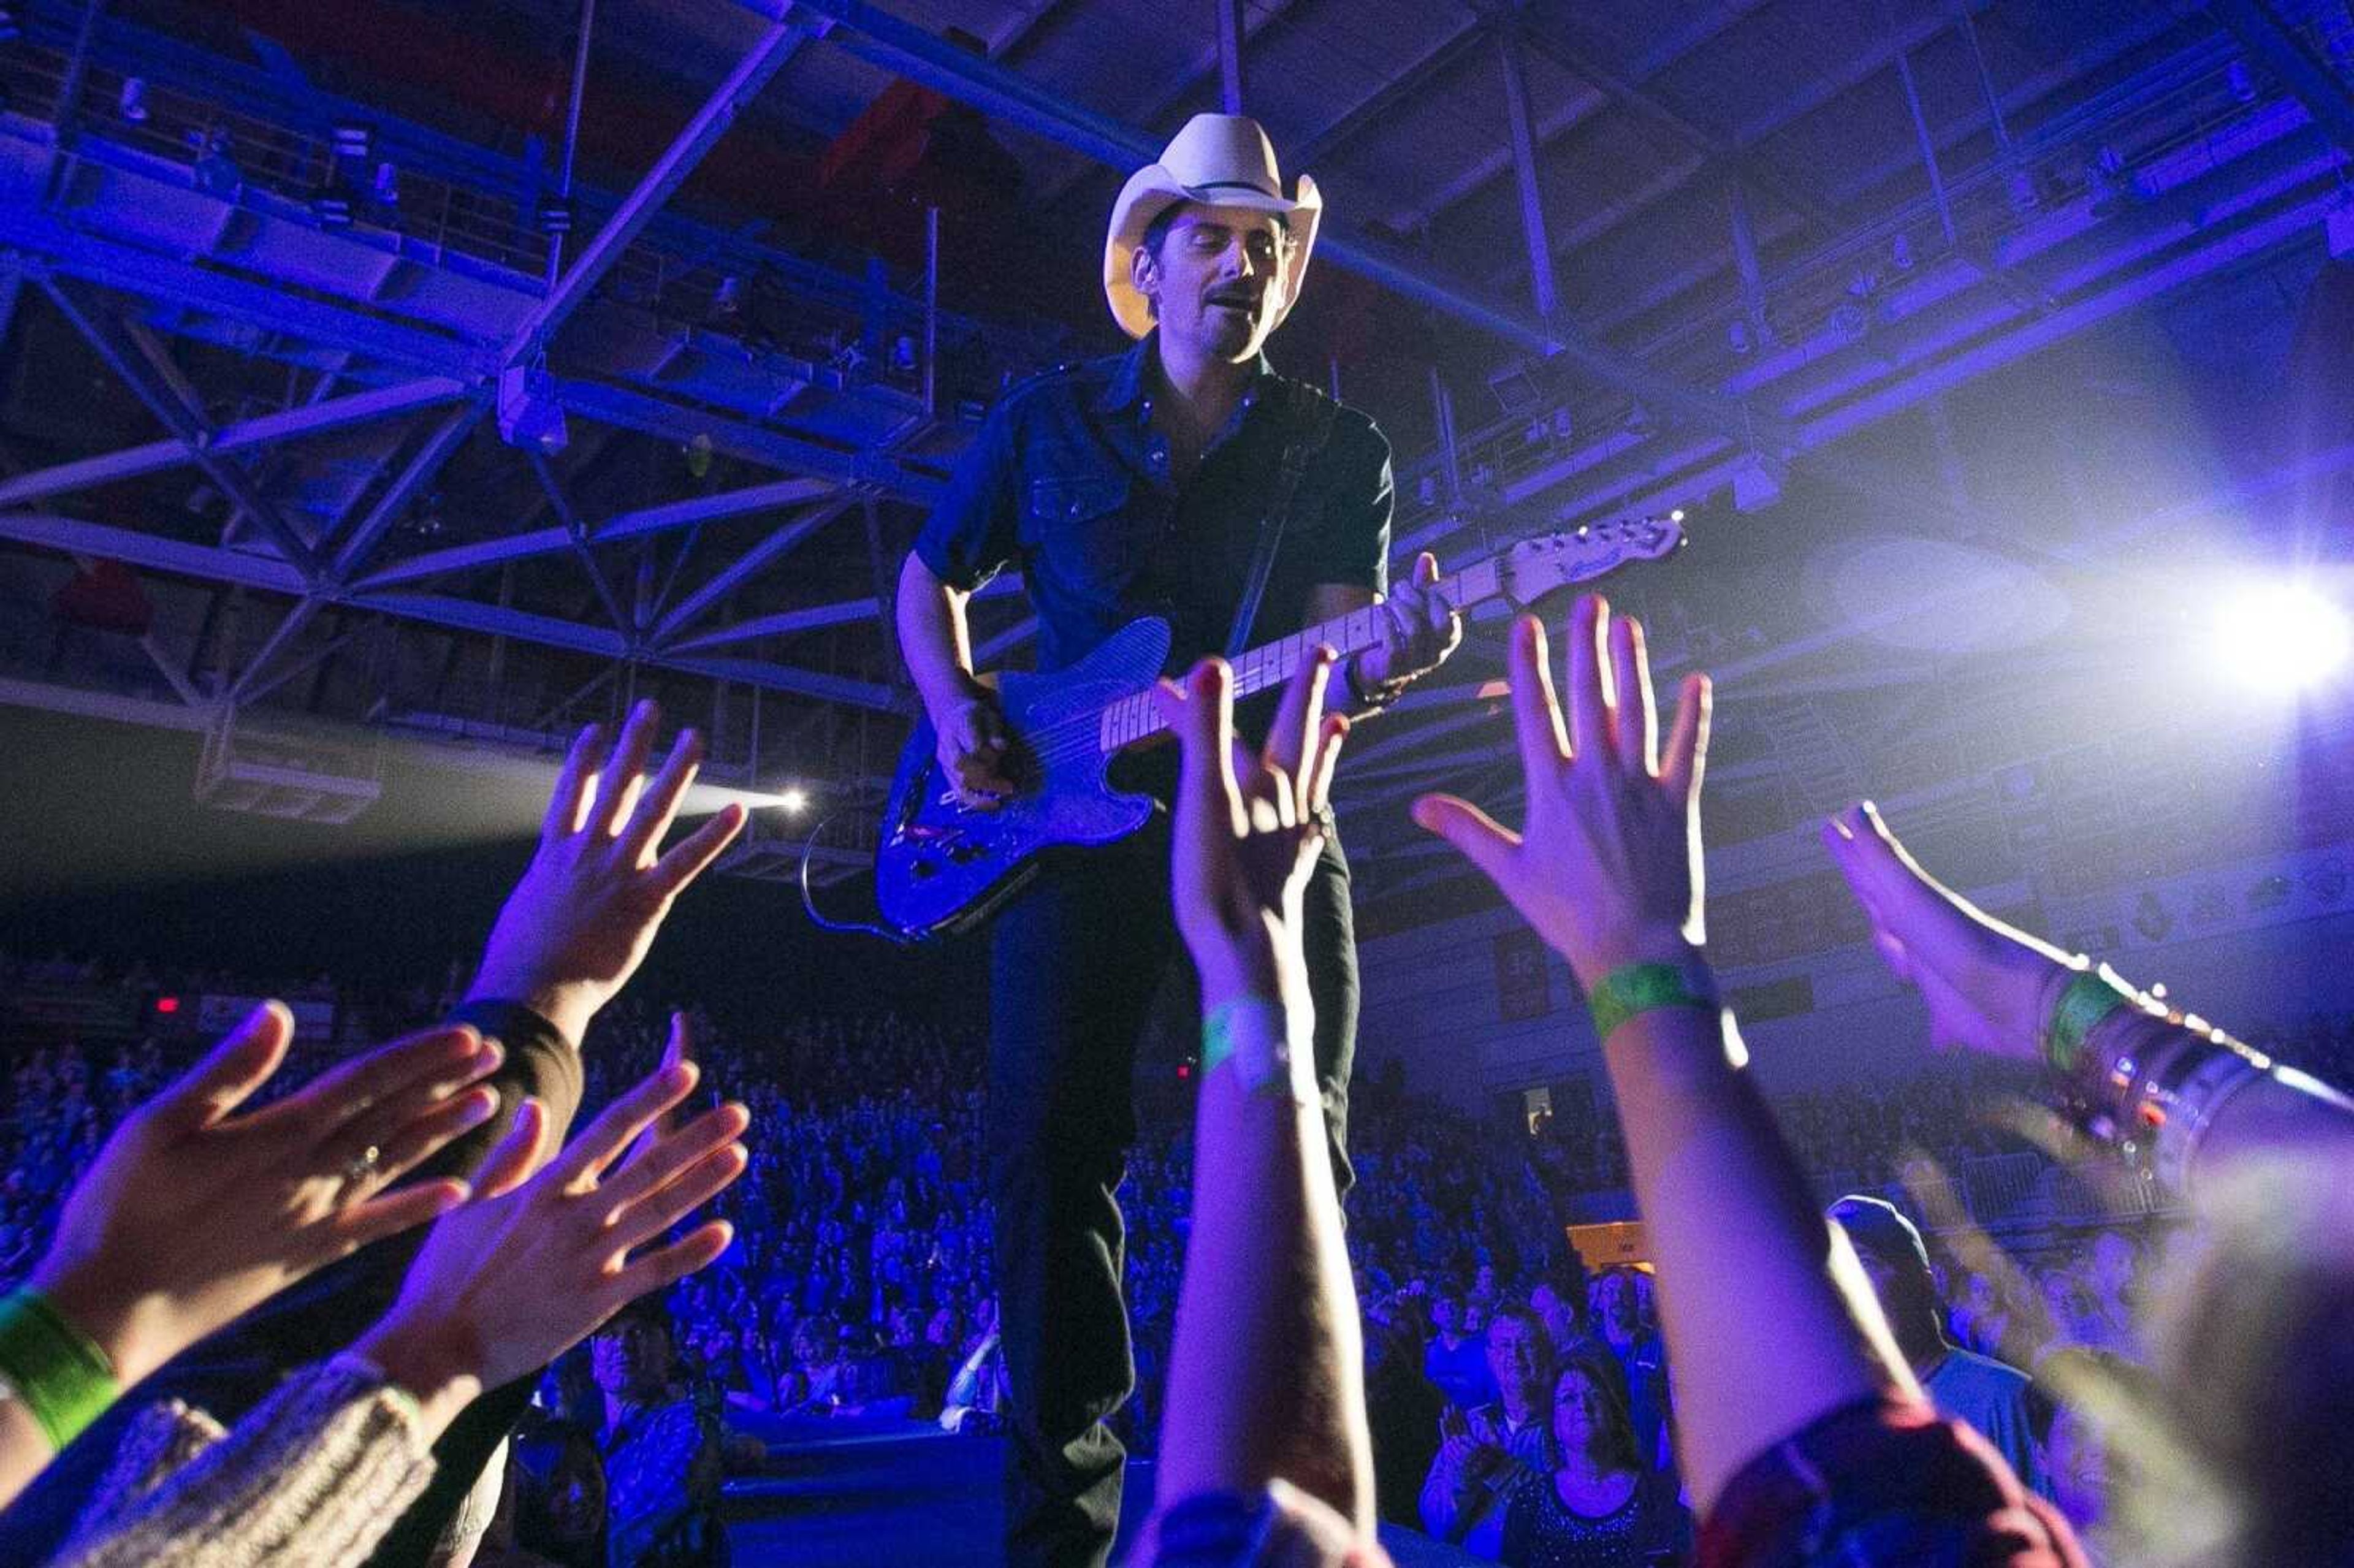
[362,1165]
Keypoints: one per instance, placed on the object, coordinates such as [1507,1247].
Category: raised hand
[508,1283]
[1247,832]
[1983,980]
[579,924]
[1607,866]
[1419,630]
[193,1216]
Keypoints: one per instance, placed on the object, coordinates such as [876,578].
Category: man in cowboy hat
[1137,485]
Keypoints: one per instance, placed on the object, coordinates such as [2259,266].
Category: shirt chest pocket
[1080,524]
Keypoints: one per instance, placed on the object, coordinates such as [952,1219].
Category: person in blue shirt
[1136,486]
[1999,1399]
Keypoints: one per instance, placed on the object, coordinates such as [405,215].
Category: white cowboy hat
[1217,160]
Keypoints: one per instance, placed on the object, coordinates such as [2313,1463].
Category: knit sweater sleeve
[312,1478]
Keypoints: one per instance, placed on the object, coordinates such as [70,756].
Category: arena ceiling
[328,404]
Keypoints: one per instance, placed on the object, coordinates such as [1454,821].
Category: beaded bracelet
[1643,987]
[62,1376]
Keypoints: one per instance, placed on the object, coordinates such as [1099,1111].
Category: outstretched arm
[1608,869]
[2133,1066]
[1266,1379]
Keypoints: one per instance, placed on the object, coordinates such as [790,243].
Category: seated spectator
[1456,1360]
[1402,1407]
[1597,1504]
[1559,1302]
[1811,1446]
[1486,1453]
[551,1514]
[1999,1402]
[1620,1295]
[661,1454]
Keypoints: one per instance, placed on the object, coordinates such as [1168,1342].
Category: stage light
[793,802]
[134,102]
[167,1004]
[2284,636]
[353,139]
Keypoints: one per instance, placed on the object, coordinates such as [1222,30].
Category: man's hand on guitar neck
[1419,631]
[971,749]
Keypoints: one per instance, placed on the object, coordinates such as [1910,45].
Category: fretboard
[1135,717]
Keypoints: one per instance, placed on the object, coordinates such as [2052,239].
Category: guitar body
[940,867]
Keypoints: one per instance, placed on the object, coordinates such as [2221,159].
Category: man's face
[1514,1357]
[1442,1313]
[1216,281]
[631,1360]
[1619,1307]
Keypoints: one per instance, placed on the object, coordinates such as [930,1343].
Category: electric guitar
[941,866]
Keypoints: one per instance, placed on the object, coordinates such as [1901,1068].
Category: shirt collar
[1129,384]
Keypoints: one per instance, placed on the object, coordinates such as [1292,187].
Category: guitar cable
[809,899]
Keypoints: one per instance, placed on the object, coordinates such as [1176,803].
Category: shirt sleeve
[312,1478]
[1883,1482]
[1352,542]
[972,534]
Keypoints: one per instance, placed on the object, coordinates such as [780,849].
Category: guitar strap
[1298,453]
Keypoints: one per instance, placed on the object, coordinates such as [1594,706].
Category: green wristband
[2088,1000]
[1643,988]
[64,1379]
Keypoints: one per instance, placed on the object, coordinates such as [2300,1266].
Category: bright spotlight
[794,802]
[2284,637]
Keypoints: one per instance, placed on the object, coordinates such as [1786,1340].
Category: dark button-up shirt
[1069,481]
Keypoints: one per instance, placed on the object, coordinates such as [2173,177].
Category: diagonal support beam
[576,534]
[745,568]
[431,458]
[753,443]
[129,359]
[245,435]
[783,493]
[767,56]
[215,562]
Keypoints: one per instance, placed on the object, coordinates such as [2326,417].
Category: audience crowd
[307,1299]
[858,1286]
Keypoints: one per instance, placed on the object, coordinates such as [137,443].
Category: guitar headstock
[1539,566]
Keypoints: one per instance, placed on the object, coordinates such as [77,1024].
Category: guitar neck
[1135,717]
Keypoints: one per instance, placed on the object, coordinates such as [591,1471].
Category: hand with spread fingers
[579,924]
[1984,981]
[1607,866]
[513,1280]
[1247,830]
[1419,630]
[193,1214]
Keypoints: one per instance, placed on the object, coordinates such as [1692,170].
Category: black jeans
[1076,960]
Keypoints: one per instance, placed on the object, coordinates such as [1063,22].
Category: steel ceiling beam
[576,535]
[637,524]
[244,435]
[154,384]
[788,536]
[1388,98]
[753,443]
[215,562]
[768,54]
[1544,31]
[2271,44]
[439,447]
